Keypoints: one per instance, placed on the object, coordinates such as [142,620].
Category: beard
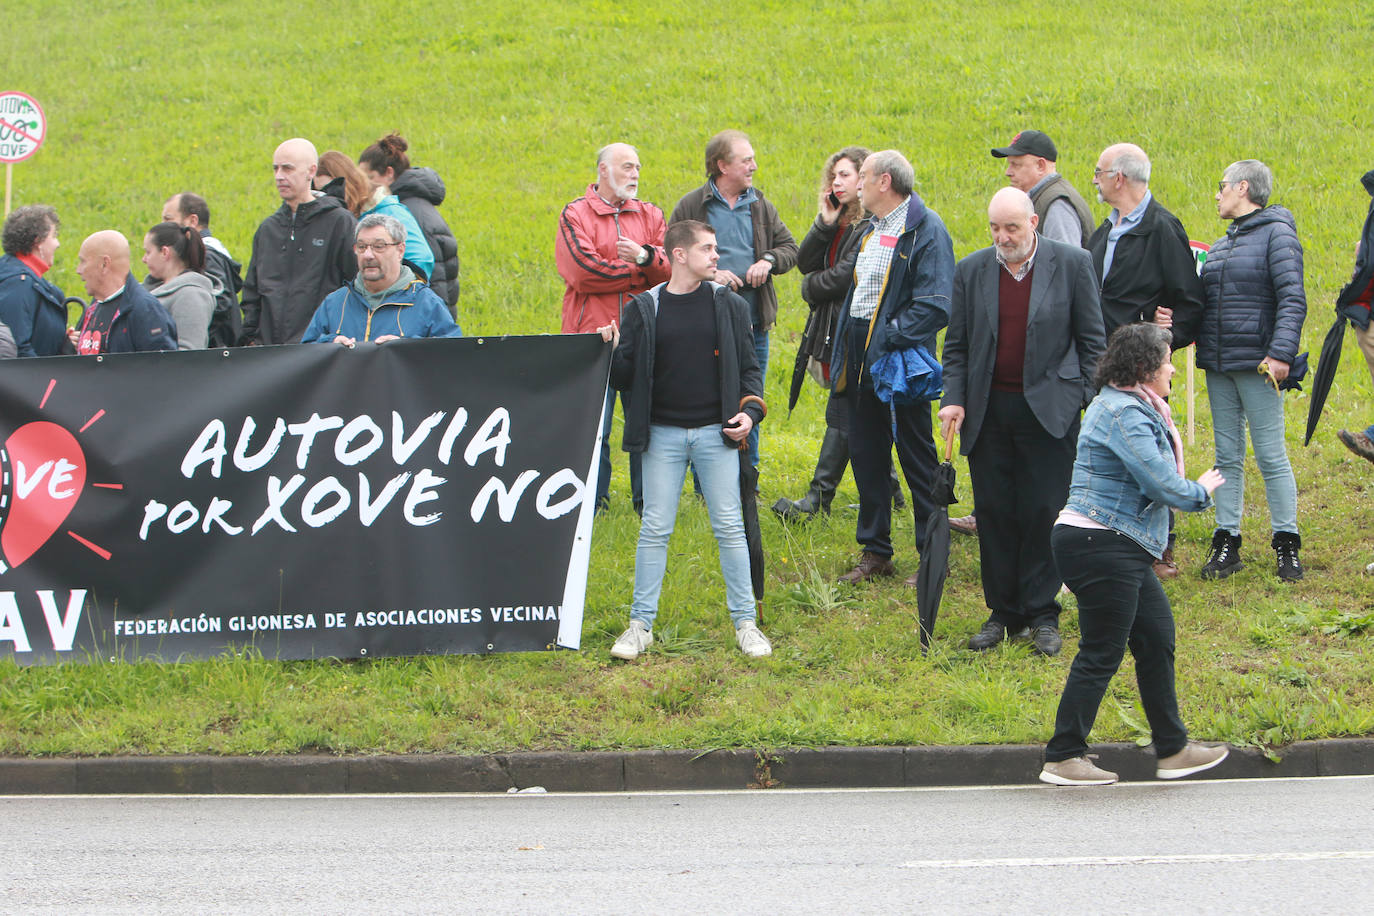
[624,191]
[1015,254]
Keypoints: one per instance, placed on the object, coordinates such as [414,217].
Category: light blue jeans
[664,467]
[1239,399]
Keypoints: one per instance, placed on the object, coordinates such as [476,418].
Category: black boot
[1286,545]
[830,465]
[1224,557]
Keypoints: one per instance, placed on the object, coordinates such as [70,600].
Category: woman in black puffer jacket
[1249,337]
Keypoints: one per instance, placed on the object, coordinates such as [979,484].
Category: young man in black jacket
[693,392]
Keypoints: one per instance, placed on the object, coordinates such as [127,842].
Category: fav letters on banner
[418,497]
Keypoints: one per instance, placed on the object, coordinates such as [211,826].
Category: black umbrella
[1325,374]
[930,575]
[798,375]
[753,537]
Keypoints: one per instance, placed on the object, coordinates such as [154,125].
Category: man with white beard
[609,248]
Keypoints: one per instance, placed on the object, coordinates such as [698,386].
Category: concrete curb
[622,771]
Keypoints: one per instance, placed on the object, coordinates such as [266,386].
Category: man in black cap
[1063,213]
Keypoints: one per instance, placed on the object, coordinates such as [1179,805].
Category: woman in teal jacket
[381,163]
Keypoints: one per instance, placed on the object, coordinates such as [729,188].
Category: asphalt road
[1271,845]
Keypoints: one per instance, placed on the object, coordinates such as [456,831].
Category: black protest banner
[422,496]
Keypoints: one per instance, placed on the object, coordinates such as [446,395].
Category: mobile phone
[834,201]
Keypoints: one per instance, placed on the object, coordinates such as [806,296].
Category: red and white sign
[22,126]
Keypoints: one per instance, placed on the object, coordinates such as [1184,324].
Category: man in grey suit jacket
[1024,337]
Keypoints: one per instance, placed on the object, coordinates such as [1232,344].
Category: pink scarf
[1161,407]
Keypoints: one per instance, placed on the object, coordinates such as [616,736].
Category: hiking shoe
[968,524]
[991,634]
[632,642]
[1194,758]
[1358,443]
[1045,640]
[1076,771]
[1224,558]
[751,640]
[871,565]
[1286,544]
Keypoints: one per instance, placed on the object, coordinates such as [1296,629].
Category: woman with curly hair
[826,259]
[30,305]
[1128,471]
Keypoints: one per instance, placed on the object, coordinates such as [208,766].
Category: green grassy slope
[509,103]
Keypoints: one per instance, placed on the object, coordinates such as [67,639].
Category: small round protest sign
[22,126]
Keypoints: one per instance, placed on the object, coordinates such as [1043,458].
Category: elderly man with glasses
[386,300]
[1144,264]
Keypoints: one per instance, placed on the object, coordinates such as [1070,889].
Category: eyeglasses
[1221,185]
[1098,173]
[377,247]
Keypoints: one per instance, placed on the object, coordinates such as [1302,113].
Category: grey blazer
[1064,337]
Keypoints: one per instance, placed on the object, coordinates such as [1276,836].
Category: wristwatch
[768,256]
[645,253]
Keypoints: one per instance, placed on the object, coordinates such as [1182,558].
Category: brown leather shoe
[966,525]
[871,565]
[1358,443]
[1165,567]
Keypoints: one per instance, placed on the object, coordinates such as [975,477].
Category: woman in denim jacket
[1128,471]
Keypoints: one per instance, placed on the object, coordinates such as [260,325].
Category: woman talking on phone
[1128,471]
[826,259]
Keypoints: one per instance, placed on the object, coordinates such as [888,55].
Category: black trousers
[870,454]
[1120,604]
[1020,482]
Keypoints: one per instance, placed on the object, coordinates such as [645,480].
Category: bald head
[1012,222]
[1130,160]
[617,172]
[293,167]
[1009,203]
[1122,176]
[103,263]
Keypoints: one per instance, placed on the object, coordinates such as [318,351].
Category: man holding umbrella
[1024,337]
[693,392]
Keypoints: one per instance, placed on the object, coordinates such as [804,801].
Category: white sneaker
[751,640]
[632,642]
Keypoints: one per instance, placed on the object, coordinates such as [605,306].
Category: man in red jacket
[609,247]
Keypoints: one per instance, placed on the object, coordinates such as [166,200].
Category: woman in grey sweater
[175,256]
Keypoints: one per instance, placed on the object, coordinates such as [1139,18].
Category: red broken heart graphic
[47,471]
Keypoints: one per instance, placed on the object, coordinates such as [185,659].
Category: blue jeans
[603,477]
[761,354]
[664,469]
[1238,399]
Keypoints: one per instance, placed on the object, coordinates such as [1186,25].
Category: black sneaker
[1224,558]
[1286,545]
